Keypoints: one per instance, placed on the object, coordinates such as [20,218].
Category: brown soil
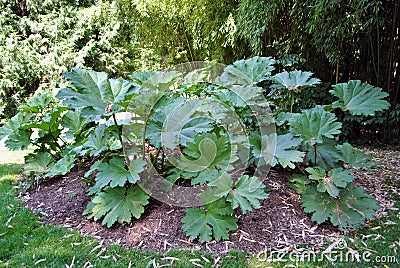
[280,221]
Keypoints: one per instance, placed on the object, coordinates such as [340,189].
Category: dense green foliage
[40,40]
[176,111]
[337,41]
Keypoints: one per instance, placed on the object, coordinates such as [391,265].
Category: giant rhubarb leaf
[101,140]
[140,78]
[117,204]
[204,161]
[74,123]
[212,220]
[247,72]
[162,81]
[63,166]
[314,124]
[353,157]
[359,98]
[37,103]
[115,173]
[208,148]
[246,193]
[17,138]
[294,80]
[184,122]
[330,181]
[324,155]
[299,183]
[280,149]
[50,121]
[349,209]
[95,94]
[205,158]
[186,131]
[217,188]
[285,153]
[40,163]
[153,87]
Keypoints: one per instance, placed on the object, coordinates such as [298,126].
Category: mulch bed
[280,222]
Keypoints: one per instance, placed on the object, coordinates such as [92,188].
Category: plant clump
[186,130]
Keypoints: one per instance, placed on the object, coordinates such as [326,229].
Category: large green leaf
[208,150]
[117,204]
[324,155]
[205,176]
[194,127]
[331,181]
[202,177]
[178,123]
[73,122]
[205,159]
[246,72]
[199,75]
[93,167]
[40,163]
[154,131]
[229,98]
[101,140]
[16,137]
[359,98]
[162,111]
[247,193]
[50,121]
[97,141]
[212,220]
[299,183]
[262,148]
[314,124]
[353,157]
[294,80]
[349,209]
[156,81]
[114,173]
[143,104]
[140,78]
[95,94]
[285,152]
[240,96]
[63,166]
[284,117]
[217,188]
[37,103]
[162,81]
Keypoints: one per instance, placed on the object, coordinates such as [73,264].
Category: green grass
[26,242]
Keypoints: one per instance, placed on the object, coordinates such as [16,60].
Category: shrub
[220,137]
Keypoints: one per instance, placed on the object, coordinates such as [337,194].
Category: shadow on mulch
[280,221]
